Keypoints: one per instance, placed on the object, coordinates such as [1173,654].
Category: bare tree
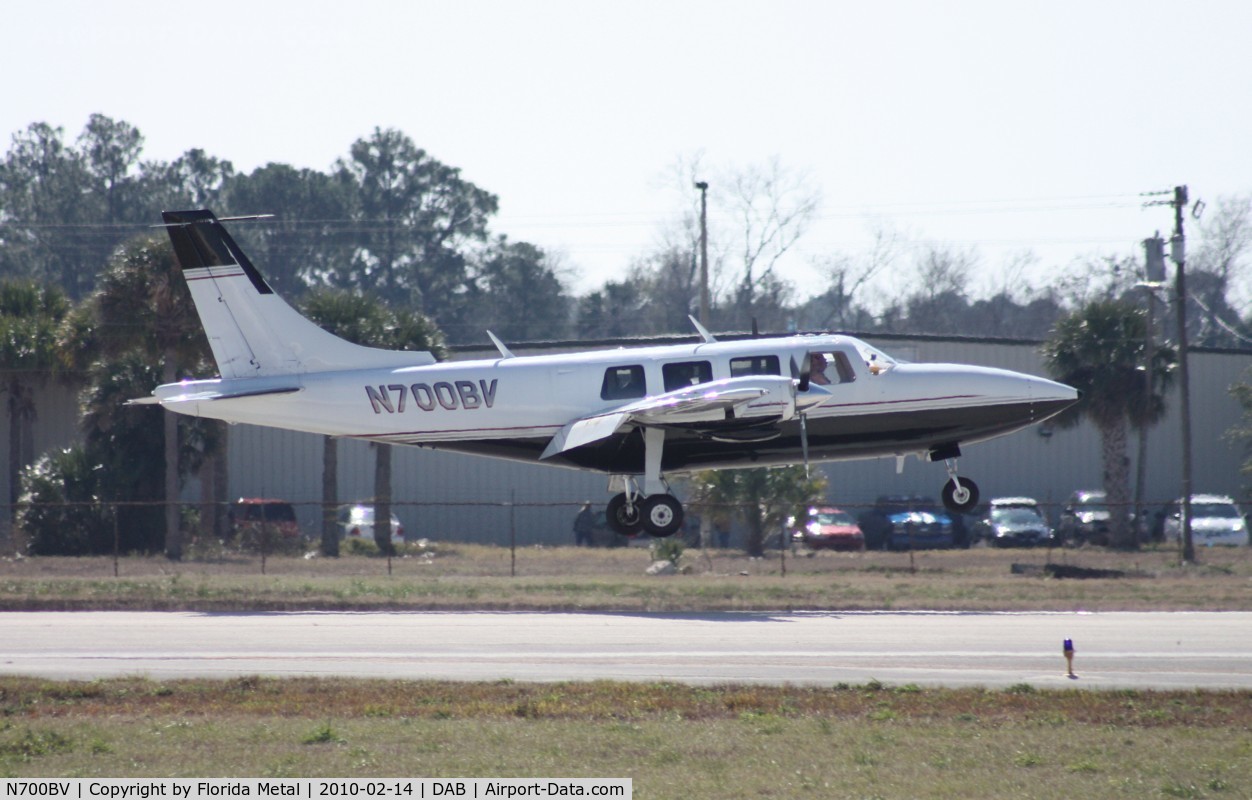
[1226,240]
[1098,278]
[772,207]
[1218,267]
[843,305]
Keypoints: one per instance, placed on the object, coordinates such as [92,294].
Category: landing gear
[623,516]
[662,515]
[658,514]
[653,510]
[959,494]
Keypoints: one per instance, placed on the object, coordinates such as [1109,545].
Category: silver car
[357,522]
[1215,519]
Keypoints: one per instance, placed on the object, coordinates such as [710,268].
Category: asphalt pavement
[1211,650]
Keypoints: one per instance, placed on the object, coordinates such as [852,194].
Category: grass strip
[674,740]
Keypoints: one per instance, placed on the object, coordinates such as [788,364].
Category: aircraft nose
[1049,398]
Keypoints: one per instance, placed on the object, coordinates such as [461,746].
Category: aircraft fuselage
[512,407]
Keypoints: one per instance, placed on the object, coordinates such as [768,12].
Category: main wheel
[662,515]
[960,495]
[622,517]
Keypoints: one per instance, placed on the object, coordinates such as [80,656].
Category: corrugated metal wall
[427,484]
[447,496]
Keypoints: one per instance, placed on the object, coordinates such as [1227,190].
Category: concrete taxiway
[1211,650]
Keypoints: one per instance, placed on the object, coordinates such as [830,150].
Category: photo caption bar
[314,788]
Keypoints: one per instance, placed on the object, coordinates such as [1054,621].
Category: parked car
[1215,519]
[827,528]
[898,522]
[1085,519]
[1014,522]
[357,522]
[264,523]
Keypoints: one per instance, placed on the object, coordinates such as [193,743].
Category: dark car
[1085,519]
[898,522]
[827,528]
[1014,522]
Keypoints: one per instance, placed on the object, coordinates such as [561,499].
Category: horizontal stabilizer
[209,394]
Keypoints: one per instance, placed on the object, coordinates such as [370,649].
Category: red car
[828,528]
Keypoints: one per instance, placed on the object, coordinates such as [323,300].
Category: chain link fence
[262,528]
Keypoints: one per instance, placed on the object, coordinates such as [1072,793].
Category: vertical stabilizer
[251,330]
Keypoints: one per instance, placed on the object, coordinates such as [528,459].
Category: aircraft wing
[707,403]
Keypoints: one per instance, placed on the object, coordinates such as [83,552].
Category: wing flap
[584,431]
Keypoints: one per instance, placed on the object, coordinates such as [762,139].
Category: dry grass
[567,578]
[611,701]
[673,740]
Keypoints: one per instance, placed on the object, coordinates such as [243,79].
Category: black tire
[949,495]
[622,518]
[662,515]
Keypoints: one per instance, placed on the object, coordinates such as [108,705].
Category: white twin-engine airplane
[637,414]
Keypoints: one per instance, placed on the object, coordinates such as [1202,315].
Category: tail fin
[251,331]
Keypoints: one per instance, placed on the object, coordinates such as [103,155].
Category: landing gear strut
[654,510]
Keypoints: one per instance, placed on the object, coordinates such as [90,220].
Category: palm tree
[763,497]
[365,321]
[142,307]
[29,316]
[1100,351]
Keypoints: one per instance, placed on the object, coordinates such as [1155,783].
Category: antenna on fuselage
[504,351]
[704,332]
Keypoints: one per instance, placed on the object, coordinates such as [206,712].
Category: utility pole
[1154,277]
[703,186]
[1178,252]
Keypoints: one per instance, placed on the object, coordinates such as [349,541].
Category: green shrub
[60,512]
[670,549]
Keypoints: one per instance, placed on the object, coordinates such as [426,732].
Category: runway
[1210,650]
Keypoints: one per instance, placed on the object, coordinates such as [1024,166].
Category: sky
[1015,130]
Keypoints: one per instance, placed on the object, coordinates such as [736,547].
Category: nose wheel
[960,494]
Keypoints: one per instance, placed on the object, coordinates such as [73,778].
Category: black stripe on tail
[200,241]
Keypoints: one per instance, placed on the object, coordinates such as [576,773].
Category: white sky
[1003,125]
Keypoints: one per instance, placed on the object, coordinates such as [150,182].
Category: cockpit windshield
[877,361]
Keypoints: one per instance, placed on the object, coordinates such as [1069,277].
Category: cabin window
[623,383]
[686,373]
[754,365]
[830,367]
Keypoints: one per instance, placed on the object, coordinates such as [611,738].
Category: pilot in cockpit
[817,369]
